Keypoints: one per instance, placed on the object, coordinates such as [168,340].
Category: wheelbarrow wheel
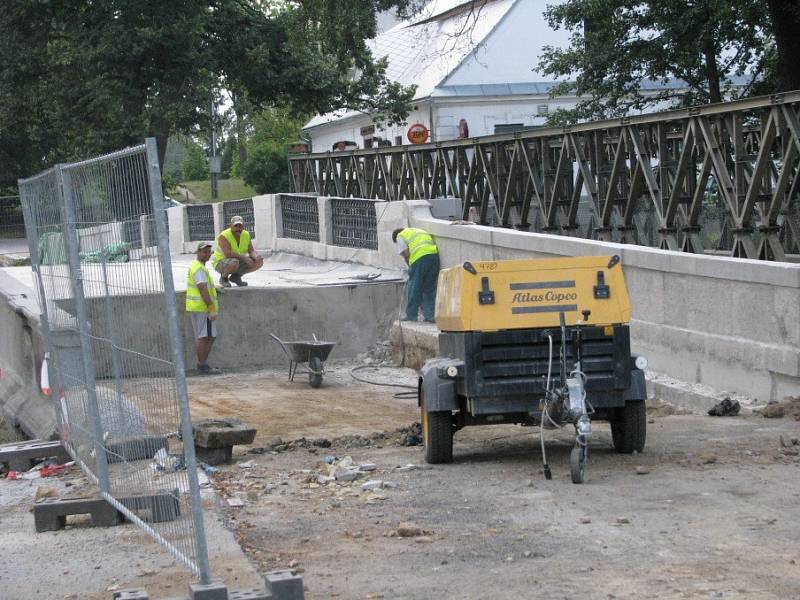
[315,376]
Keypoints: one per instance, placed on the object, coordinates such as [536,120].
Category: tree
[617,44]
[274,131]
[80,77]
[785,22]
[194,166]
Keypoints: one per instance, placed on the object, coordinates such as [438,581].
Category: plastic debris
[163,461]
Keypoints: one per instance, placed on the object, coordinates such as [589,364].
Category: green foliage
[79,77]
[195,163]
[617,44]
[266,168]
[200,191]
[274,131]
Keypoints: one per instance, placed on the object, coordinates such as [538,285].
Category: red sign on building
[417,133]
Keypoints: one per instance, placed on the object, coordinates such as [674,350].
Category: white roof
[426,49]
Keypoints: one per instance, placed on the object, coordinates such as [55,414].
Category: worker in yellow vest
[234,254]
[418,249]
[203,308]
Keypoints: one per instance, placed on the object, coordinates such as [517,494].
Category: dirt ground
[278,407]
[711,509]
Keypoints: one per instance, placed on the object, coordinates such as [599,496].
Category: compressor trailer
[542,342]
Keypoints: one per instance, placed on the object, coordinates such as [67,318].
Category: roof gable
[425,50]
[511,52]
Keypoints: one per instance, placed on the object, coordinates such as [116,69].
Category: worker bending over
[418,249]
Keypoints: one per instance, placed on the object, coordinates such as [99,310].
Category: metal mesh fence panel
[354,223]
[242,208]
[12,225]
[105,284]
[300,217]
[201,222]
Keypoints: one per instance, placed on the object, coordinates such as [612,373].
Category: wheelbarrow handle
[280,341]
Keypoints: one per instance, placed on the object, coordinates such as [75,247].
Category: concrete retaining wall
[21,353]
[354,316]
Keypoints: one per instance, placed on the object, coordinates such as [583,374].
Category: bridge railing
[716,178]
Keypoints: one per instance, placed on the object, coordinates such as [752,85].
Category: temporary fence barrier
[97,235]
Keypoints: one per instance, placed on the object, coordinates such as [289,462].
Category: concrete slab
[280,271]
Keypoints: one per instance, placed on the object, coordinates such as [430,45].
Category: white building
[469,60]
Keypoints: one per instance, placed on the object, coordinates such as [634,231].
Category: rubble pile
[410,435]
[790,407]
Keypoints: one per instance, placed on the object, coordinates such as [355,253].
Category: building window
[541,110]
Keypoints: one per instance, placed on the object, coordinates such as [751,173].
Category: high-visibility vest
[419,242]
[194,301]
[239,247]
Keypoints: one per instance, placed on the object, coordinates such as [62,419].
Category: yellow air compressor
[535,342]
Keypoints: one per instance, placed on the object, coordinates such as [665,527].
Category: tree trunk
[712,70]
[785,17]
[241,142]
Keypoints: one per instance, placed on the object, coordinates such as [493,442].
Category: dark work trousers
[421,287]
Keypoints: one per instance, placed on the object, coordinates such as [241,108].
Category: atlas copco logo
[549,296]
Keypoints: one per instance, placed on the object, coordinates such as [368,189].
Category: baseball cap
[236,220]
[202,245]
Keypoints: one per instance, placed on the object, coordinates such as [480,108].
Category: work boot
[208,370]
[223,281]
[237,279]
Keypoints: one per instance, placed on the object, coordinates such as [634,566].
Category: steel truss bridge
[721,177]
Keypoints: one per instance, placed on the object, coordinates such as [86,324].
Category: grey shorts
[203,326]
[224,263]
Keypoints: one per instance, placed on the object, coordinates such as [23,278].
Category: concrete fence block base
[215,590]
[20,456]
[285,585]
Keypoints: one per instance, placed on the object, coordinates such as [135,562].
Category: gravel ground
[709,510]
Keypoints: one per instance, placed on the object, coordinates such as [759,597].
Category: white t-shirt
[400,245]
[200,276]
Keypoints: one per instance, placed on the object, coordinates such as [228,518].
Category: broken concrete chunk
[407,529]
[773,410]
[346,474]
[372,484]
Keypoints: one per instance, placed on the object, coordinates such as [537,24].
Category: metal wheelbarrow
[311,355]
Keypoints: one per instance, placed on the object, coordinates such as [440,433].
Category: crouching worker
[418,249]
[234,255]
[203,307]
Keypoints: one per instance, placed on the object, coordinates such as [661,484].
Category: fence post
[160,214]
[71,239]
[53,373]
